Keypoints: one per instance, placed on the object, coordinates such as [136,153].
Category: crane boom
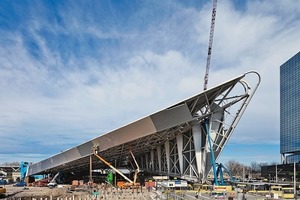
[112,167]
[211,37]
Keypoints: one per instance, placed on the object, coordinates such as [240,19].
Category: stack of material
[81,182]
[75,183]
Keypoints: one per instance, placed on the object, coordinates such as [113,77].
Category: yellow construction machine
[122,184]
[2,192]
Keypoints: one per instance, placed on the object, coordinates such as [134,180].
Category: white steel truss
[174,158]
[189,155]
[172,141]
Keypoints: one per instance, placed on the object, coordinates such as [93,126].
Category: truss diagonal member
[225,96]
[225,111]
[193,105]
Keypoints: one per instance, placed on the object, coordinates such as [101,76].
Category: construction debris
[74,192]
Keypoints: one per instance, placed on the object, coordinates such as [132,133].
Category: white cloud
[62,92]
[259,39]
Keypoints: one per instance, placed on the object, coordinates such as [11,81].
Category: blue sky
[73,70]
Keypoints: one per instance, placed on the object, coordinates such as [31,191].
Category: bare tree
[274,163]
[234,167]
[263,164]
[255,167]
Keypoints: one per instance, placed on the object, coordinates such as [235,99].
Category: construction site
[170,154]
[165,155]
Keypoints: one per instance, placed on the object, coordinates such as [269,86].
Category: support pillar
[196,129]
[147,161]
[158,149]
[91,169]
[179,140]
[152,160]
[167,148]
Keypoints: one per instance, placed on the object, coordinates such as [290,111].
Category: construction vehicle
[2,192]
[217,168]
[120,184]
[53,183]
[211,36]
[20,184]
[220,168]
[95,151]
[3,174]
[23,171]
[110,177]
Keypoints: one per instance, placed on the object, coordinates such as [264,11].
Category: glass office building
[290,110]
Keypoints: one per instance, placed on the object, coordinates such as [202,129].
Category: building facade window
[290,109]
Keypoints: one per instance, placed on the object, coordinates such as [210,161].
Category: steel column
[152,160]
[167,149]
[180,148]
[158,150]
[198,146]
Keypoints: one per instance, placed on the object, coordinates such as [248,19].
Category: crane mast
[211,37]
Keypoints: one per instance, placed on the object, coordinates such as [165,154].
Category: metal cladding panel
[46,164]
[217,117]
[171,117]
[34,168]
[208,159]
[71,154]
[133,131]
[85,149]
[57,159]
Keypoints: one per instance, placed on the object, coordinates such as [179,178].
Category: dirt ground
[67,192]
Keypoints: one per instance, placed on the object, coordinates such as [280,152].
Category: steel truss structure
[170,142]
